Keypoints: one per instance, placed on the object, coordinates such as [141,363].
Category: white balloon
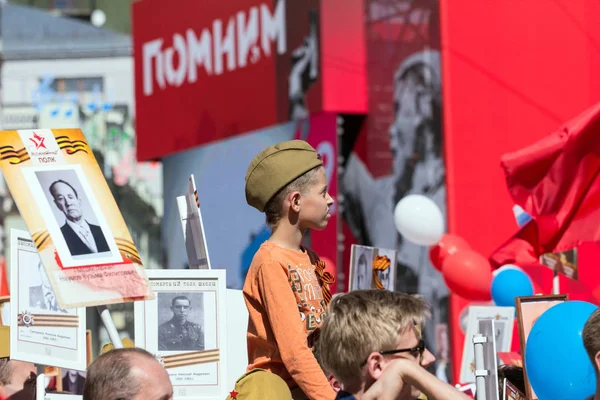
[419,220]
[504,268]
[98,18]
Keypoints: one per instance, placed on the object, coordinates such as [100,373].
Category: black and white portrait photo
[180,321]
[73,381]
[386,277]
[41,294]
[73,216]
[77,221]
[361,267]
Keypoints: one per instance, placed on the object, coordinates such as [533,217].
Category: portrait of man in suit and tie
[81,236]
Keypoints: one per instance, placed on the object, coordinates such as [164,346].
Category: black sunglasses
[415,351]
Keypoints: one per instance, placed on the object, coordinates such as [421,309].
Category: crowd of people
[302,342]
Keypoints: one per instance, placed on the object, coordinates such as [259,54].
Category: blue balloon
[556,362]
[509,284]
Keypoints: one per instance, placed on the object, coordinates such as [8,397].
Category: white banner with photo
[185,327]
[503,317]
[41,331]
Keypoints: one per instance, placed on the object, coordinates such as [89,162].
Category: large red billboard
[512,75]
[208,70]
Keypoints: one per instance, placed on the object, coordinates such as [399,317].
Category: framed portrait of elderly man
[41,331]
[73,216]
[185,328]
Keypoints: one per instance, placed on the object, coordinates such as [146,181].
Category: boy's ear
[597,360]
[294,199]
[375,364]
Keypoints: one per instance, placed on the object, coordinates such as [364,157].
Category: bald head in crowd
[130,374]
[17,379]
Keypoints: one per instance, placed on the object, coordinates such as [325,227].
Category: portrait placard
[503,324]
[372,268]
[529,309]
[185,328]
[41,331]
[76,226]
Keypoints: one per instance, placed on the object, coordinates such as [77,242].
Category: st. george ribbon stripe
[197,357]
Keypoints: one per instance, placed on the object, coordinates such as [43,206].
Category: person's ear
[597,360]
[294,199]
[375,365]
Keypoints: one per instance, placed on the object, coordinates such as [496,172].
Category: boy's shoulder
[269,252]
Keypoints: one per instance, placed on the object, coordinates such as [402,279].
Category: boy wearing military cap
[286,290]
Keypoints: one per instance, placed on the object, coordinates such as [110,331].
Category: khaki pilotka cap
[260,384]
[277,166]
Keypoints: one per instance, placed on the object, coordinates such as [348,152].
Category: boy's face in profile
[315,203]
[408,340]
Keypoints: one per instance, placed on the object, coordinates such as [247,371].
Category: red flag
[556,180]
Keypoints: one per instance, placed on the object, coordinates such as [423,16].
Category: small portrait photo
[384,272]
[73,381]
[361,267]
[180,321]
[73,217]
[36,294]
[41,294]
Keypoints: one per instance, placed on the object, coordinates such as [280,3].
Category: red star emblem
[233,394]
[38,141]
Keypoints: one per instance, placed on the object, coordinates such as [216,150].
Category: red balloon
[448,245]
[468,274]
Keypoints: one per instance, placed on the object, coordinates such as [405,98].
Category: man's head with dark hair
[67,200]
[130,374]
[175,299]
[181,307]
[16,377]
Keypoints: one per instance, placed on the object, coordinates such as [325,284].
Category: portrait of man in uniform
[180,332]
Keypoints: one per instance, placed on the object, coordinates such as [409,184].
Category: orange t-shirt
[285,305]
